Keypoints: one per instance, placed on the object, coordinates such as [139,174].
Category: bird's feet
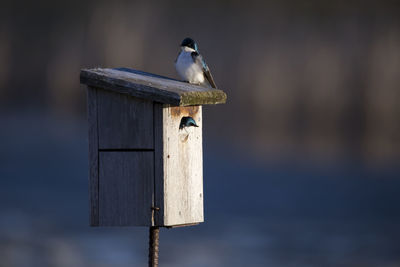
[199,84]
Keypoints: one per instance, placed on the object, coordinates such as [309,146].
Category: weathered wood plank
[183,167]
[152,87]
[93,156]
[158,165]
[126,184]
[124,122]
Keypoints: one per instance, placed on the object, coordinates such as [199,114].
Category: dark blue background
[301,166]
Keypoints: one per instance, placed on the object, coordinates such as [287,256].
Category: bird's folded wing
[198,59]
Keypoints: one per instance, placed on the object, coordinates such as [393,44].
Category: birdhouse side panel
[93,155]
[183,167]
[124,122]
[126,184]
[158,165]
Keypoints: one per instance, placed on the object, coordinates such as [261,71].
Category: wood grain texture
[152,87]
[183,167]
[124,122]
[93,156]
[126,184]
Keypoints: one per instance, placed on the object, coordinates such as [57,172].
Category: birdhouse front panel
[182,159]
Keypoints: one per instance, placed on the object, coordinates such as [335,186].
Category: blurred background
[304,170]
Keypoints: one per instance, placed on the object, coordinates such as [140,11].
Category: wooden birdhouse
[144,170]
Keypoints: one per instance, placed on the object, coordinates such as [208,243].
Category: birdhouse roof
[151,86]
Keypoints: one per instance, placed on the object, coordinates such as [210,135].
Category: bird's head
[190,43]
[187,122]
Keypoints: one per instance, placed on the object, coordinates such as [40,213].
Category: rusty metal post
[153,246]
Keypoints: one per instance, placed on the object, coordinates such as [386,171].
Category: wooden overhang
[151,87]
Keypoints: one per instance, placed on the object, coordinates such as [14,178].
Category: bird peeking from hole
[187,122]
[191,66]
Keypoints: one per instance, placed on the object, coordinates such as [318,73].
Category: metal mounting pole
[153,246]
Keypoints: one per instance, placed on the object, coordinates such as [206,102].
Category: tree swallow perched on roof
[191,66]
[187,122]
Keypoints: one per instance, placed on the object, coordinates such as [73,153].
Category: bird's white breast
[187,69]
